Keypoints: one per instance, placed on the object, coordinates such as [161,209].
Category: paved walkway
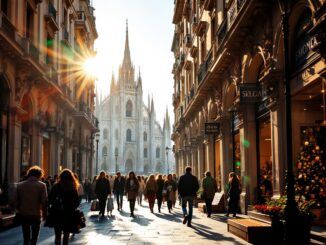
[146,228]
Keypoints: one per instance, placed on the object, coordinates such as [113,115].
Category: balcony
[32,50]
[187,64]
[187,40]
[180,61]
[193,51]
[176,99]
[204,67]
[194,23]
[51,17]
[221,31]
[80,22]
[201,28]
[208,5]
[85,113]
[6,26]
[178,10]
[52,73]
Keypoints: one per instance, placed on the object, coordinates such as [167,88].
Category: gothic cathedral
[130,137]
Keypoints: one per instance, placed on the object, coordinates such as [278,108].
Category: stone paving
[146,228]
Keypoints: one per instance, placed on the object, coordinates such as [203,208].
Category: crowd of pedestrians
[56,200]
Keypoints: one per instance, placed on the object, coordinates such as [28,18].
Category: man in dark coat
[187,188]
[118,189]
[102,190]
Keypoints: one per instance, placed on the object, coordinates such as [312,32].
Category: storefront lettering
[250,93]
[305,47]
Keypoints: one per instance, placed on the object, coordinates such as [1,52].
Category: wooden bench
[252,231]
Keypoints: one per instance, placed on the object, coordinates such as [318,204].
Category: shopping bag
[95,205]
[109,205]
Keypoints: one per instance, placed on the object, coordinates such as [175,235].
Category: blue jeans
[190,201]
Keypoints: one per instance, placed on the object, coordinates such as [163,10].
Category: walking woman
[102,190]
[170,186]
[66,190]
[233,194]
[141,189]
[150,191]
[160,187]
[209,187]
[131,188]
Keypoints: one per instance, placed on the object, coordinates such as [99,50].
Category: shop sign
[212,128]
[250,93]
[50,129]
[304,49]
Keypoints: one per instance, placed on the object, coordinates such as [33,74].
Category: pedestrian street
[146,228]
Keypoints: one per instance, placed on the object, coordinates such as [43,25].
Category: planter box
[251,230]
[260,216]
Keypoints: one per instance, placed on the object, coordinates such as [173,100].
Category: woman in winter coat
[66,191]
[150,191]
[131,190]
[170,186]
[160,187]
[233,194]
[102,190]
[209,188]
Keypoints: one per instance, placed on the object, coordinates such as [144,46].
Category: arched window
[128,135]
[158,153]
[105,134]
[129,109]
[145,136]
[116,134]
[145,152]
[104,151]
[116,152]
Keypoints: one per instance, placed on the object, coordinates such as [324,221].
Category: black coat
[188,185]
[64,219]
[119,185]
[102,188]
[160,185]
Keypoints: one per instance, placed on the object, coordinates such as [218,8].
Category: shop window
[265,160]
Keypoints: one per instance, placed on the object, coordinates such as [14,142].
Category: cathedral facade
[131,139]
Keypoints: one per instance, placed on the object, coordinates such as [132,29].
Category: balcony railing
[86,112]
[52,11]
[204,67]
[221,31]
[6,25]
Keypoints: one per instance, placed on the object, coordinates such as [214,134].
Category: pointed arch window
[128,135]
[104,151]
[158,152]
[145,136]
[117,134]
[105,134]
[129,109]
[145,152]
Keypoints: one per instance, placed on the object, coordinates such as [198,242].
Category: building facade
[229,70]
[46,100]
[131,139]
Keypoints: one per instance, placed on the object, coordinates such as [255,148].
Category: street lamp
[291,209]
[97,138]
[116,161]
[167,158]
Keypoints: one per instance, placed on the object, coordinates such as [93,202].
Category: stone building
[46,100]
[130,136]
[229,74]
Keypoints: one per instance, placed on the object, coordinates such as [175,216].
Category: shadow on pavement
[210,235]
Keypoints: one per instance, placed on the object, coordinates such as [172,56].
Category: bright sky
[150,39]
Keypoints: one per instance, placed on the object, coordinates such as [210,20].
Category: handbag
[109,205]
[79,221]
[95,205]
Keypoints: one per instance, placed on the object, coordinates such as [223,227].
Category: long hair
[67,180]
[101,175]
[132,173]
[233,177]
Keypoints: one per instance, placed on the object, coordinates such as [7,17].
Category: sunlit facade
[47,100]
[228,70]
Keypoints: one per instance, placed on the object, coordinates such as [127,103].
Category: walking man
[118,189]
[31,204]
[187,188]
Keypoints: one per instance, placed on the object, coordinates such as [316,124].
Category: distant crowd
[56,200]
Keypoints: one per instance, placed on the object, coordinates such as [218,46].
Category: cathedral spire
[113,84]
[152,105]
[126,57]
[167,119]
[139,83]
